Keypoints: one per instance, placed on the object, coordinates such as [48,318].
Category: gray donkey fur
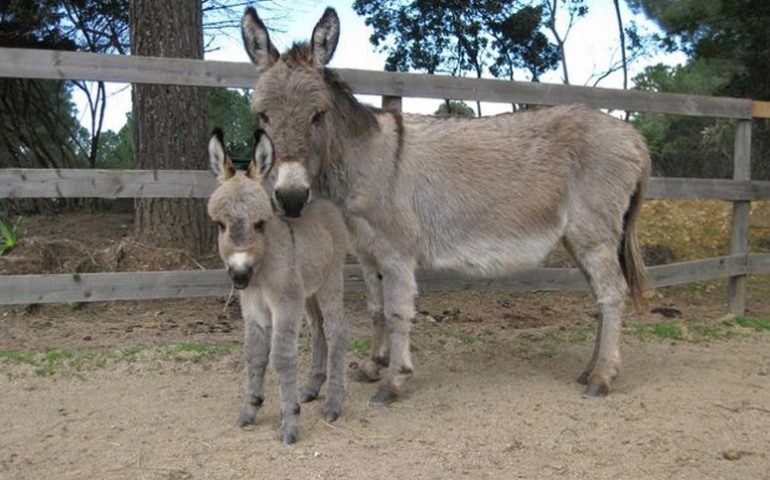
[284,269]
[483,196]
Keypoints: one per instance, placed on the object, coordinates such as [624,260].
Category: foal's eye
[259,226]
[317,117]
[263,118]
[221,226]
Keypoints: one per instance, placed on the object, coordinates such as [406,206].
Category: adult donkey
[483,196]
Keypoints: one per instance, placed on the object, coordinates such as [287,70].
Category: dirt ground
[150,390]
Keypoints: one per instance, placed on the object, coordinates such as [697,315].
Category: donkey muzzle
[290,203]
[240,276]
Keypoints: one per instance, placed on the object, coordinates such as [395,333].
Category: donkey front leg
[369,370]
[256,351]
[400,290]
[319,352]
[284,356]
[336,331]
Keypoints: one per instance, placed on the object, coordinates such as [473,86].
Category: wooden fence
[41,183]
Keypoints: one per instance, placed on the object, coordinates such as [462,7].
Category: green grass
[9,237]
[16,357]
[68,361]
[666,331]
[361,346]
[757,324]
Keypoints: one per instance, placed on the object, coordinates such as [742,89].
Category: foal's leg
[284,356]
[400,290]
[319,352]
[369,370]
[336,331]
[601,265]
[256,351]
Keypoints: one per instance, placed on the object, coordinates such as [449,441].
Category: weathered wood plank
[45,183]
[759,263]
[24,63]
[503,91]
[93,287]
[739,231]
[708,189]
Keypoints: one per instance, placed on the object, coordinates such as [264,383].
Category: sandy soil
[685,411]
[493,397]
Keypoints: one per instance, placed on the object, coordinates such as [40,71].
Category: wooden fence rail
[86,183]
[60,65]
[95,287]
[33,183]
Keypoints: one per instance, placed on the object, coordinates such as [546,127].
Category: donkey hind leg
[336,331]
[369,369]
[319,352]
[284,357]
[600,263]
[400,289]
[256,351]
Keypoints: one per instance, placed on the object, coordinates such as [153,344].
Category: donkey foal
[284,269]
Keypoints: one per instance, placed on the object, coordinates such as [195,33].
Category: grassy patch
[361,346]
[666,331]
[757,324]
[581,335]
[16,357]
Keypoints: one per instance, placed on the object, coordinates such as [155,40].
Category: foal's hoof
[596,389]
[332,415]
[383,397]
[360,376]
[583,378]
[308,396]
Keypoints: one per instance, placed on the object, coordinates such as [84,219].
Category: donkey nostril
[292,201]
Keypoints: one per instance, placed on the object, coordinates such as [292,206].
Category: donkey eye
[317,117]
[263,118]
[259,226]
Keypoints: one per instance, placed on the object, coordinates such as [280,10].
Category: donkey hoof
[596,389]
[289,438]
[583,378]
[308,396]
[332,415]
[360,376]
[246,417]
[383,397]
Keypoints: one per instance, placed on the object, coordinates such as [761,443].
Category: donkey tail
[630,252]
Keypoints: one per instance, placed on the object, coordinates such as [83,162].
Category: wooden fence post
[391,103]
[739,235]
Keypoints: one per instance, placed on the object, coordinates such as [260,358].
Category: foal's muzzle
[290,203]
[240,276]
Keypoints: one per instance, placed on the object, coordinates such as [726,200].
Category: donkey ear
[262,161]
[220,163]
[325,36]
[257,42]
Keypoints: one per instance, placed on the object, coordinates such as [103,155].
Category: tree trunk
[170,123]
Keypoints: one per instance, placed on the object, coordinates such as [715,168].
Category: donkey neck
[354,124]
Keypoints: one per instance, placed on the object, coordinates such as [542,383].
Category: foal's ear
[325,36]
[220,163]
[257,42]
[262,160]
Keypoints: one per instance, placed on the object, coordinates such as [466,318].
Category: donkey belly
[491,255]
